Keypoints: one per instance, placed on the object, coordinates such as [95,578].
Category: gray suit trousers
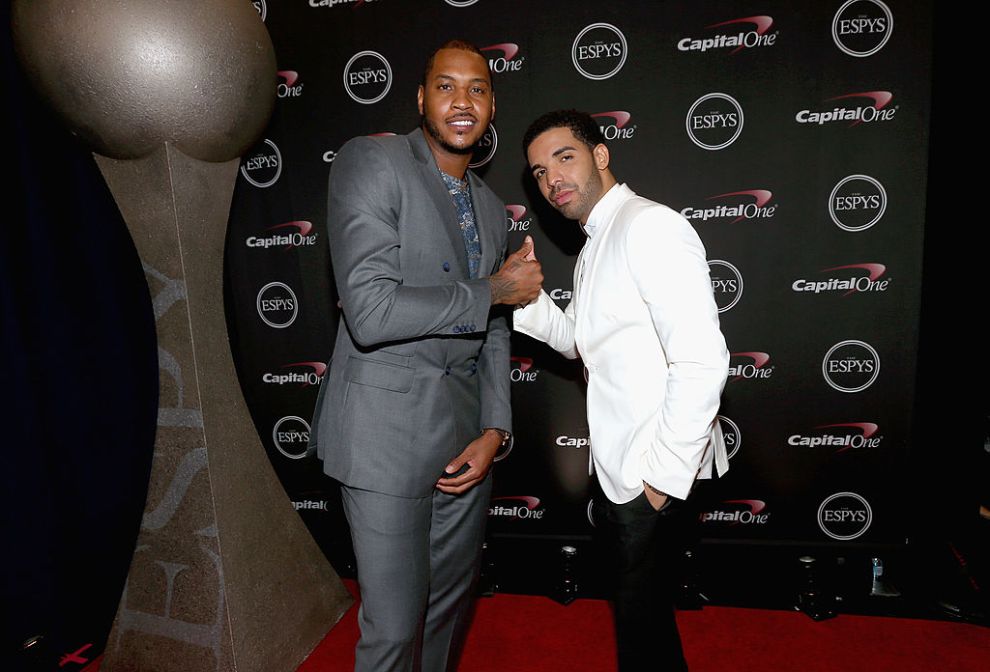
[417,564]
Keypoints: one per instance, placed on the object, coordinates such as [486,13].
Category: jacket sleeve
[362,224]
[667,261]
[493,370]
[544,321]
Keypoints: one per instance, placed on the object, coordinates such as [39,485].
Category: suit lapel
[430,175]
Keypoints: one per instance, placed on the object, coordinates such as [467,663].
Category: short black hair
[582,125]
[462,45]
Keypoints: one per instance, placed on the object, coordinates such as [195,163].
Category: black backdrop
[793,138]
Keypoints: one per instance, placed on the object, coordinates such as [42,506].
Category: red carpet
[516,633]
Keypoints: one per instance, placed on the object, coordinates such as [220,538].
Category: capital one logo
[560,294]
[727,284]
[337,3]
[745,204]
[599,51]
[291,437]
[857,202]
[521,370]
[485,149]
[367,77]
[298,233]
[516,219]
[861,28]
[731,434]
[735,38]
[738,512]
[506,61]
[330,155]
[714,121]
[516,508]
[289,86]
[263,166]
[851,366]
[842,436]
[749,366]
[855,111]
[845,516]
[303,374]
[573,441]
[850,281]
[615,125]
[277,305]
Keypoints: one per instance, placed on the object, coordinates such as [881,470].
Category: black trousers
[644,549]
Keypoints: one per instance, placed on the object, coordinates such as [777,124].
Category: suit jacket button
[446,267]
[446,371]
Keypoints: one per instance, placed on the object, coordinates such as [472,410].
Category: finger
[526,248]
[455,464]
[531,255]
[443,486]
[471,474]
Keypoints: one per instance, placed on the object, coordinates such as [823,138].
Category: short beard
[434,132]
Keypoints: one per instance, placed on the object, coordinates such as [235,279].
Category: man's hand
[519,280]
[478,456]
[655,498]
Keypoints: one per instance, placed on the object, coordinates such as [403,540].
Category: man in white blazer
[644,320]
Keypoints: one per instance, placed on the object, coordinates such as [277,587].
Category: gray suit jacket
[421,362]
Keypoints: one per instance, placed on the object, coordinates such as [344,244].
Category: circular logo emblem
[460,3]
[727,284]
[503,451]
[291,437]
[277,305]
[731,434]
[599,51]
[367,77]
[844,516]
[851,366]
[591,512]
[714,121]
[262,9]
[263,165]
[857,202]
[862,27]
[485,149]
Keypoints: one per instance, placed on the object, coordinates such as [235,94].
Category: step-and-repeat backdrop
[793,137]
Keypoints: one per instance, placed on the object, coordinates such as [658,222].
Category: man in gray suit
[416,400]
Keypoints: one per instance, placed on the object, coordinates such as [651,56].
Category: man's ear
[419,99]
[493,106]
[600,152]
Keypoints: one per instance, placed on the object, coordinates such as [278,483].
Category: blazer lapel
[430,175]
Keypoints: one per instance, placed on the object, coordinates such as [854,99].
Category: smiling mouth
[462,123]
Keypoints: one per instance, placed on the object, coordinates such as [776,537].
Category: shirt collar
[605,208]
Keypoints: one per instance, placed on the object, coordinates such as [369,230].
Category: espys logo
[367,77]
[599,51]
[847,283]
[842,436]
[619,128]
[460,3]
[727,284]
[857,202]
[291,436]
[753,366]
[262,9]
[731,434]
[740,512]
[520,370]
[330,155]
[861,28]
[262,166]
[277,305]
[749,204]
[516,508]
[305,378]
[851,366]
[517,220]
[485,149]
[310,505]
[289,88]
[737,41]
[845,516]
[860,114]
[714,121]
[285,237]
[507,61]
[573,441]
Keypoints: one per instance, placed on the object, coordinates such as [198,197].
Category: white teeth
[462,123]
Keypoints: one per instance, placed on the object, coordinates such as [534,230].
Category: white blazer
[644,321]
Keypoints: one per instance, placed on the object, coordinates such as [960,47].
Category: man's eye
[538,174]
[444,87]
